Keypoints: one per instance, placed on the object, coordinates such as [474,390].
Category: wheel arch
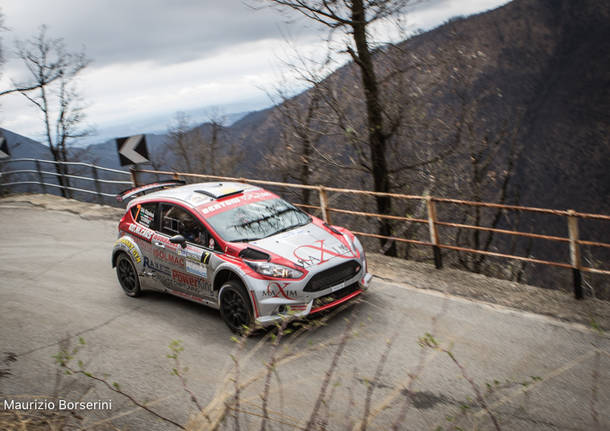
[225,275]
[127,245]
[115,256]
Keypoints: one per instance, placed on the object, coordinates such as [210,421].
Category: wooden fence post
[438,258]
[324,204]
[134,176]
[575,254]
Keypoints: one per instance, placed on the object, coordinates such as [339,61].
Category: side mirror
[178,239]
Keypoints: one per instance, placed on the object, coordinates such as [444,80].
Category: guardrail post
[438,258]
[40,178]
[134,176]
[324,204]
[100,198]
[575,254]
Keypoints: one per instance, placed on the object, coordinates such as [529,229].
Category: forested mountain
[510,106]
[537,70]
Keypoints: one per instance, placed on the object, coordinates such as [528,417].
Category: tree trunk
[305,170]
[377,138]
[214,148]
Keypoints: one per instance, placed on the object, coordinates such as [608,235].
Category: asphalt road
[56,285]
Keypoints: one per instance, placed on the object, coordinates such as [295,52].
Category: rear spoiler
[147,188]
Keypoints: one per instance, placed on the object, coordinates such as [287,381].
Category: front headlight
[274,270]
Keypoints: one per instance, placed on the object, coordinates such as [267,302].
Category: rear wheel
[235,307]
[128,276]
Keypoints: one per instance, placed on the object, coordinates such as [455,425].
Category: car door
[188,266]
[146,216]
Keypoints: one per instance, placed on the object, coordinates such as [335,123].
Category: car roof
[198,194]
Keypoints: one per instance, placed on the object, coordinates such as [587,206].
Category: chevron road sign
[132,150]
[4,152]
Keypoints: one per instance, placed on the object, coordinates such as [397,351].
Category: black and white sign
[4,152]
[132,150]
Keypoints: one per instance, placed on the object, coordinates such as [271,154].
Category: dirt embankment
[561,305]
[88,211]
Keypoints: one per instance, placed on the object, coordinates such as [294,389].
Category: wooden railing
[572,217]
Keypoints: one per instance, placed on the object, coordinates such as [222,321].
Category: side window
[177,221]
[145,214]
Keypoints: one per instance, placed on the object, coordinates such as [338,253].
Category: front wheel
[128,276]
[235,307]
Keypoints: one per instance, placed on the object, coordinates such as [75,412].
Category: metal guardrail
[41,174]
[432,221]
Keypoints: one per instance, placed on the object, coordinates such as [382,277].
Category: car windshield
[257,220]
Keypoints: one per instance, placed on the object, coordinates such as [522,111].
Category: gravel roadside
[590,312]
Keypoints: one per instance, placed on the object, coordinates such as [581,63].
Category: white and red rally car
[237,248]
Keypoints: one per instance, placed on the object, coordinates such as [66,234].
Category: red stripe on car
[337,302]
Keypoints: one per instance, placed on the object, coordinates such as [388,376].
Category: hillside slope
[523,90]
[549,59]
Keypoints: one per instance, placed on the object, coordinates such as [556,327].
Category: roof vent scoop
[221,195]
[205,192]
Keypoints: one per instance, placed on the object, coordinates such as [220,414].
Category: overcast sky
[152,58]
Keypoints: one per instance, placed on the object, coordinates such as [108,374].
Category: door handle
[159,244]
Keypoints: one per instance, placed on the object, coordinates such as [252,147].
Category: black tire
[127,275]
[235,307]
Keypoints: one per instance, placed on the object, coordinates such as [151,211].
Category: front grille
[327,299]
[333,276]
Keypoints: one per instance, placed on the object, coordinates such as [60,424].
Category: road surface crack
[80,333]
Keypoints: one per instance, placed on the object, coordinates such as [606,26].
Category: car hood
[307,246]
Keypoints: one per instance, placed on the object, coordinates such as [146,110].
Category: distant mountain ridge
[156,125]
[22,146]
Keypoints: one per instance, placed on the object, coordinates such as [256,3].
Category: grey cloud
[163,31]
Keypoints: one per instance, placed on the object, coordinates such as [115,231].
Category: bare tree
[199,149]
[51,89]
[294,155]
[354,18]
[485,135]
[489,169]
[224,153]
[185,143]
[217,124]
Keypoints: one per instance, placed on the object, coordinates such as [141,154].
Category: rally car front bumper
[331,298]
